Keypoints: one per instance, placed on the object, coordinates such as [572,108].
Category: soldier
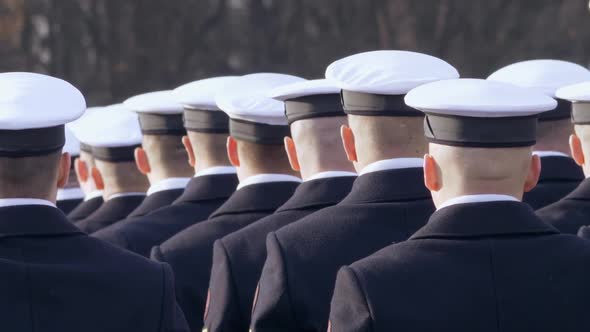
[559,174]
[161,157]
[573,211]
[83,166]
[257,128]
[315,115]
[113,134]
[71,195]
[484,261]
[215,179]
[387,203]
[54,277]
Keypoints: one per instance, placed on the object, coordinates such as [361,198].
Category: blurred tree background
[112,49]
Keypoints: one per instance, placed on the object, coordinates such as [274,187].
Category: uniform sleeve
[172,317]
[584,232]
[349,310]
[223,312]
[272,309]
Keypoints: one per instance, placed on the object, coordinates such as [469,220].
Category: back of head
[32,177]
[319,146]
[121,177]
[553,135]
[258,158]
[166,155]
[209,149]
[383,137]
[468,171]
[481,135]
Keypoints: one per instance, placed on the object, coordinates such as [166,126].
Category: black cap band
[258,132]
[31,142]
[203,121]
[581,113]
[315,106]
[161,124]
[368,104]
[561,112]
[85,147]
[115,154]
[481,132]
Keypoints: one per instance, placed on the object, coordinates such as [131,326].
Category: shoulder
[189,240]
[118,264]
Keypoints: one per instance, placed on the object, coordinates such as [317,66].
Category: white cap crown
[478,98]
[388,72]
[247,98]
[545,76]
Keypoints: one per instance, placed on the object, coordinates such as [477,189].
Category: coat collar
[259,197]
[209,187]
[156,200]
[582,192]
[34,220]
[473,220]
[319,193]
[117,208]
[404,184]
[560,168]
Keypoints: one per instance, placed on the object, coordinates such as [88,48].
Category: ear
[64,170]
[142,162]
[576,149]
[188,146]
[292,154]
[81,169]
[232,151]
[97,177]
[432,179]
[348,143]
[533,175]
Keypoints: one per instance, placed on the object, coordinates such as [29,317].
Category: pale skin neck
[245,171]
[36,193]
[112,188]
[203,164]
[313,161]
[369,158]
[442,196]
[157,175]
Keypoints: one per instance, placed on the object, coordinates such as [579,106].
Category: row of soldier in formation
[391,195]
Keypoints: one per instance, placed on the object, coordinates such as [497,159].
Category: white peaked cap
[304,88]
[545,76]
[72,145]
[77,125]
[478,98]
[577,92]
[111,126]
[30,101]
[247,98]
[201,94]
[158,102]
[388,72]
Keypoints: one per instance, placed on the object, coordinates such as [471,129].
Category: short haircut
[29,176]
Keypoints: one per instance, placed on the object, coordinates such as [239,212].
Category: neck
[441,196]
[156,176]
[202,165]
[309,169]
[113,187]
[246,172]
[360,165]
